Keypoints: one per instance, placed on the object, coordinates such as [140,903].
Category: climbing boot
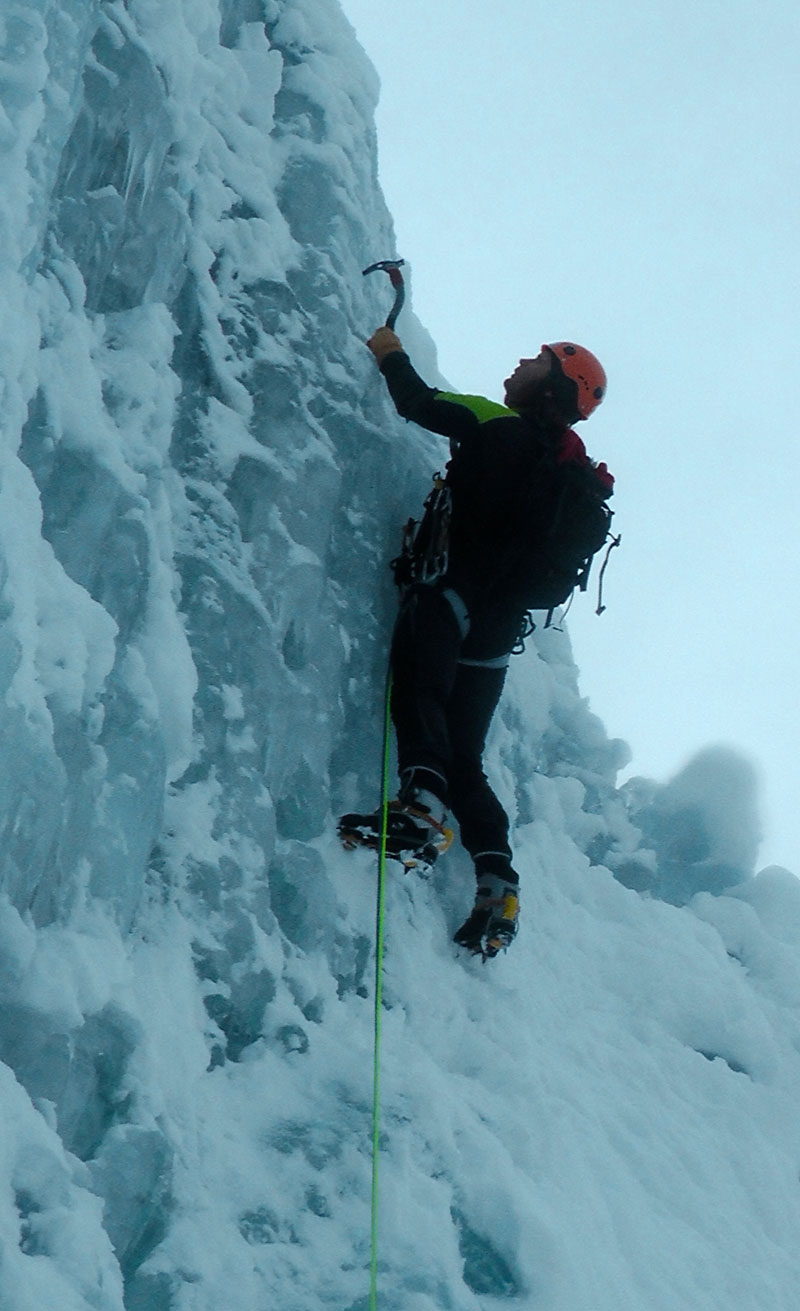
[416,829]
[492,925]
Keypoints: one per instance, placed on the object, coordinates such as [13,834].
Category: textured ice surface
[201,480]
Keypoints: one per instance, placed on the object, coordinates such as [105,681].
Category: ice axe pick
[392,267]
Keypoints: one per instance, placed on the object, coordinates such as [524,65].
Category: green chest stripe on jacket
[483,409]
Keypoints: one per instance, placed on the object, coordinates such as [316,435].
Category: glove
[384,342]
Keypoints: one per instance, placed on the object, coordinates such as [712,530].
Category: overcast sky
[626,175]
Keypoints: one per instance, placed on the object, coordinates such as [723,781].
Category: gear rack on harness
[425,548]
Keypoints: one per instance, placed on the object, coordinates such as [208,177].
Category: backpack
[569,519]
[569,524]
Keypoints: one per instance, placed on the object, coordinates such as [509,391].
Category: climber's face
[527,379]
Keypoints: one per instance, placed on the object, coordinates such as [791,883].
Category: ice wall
[200,485]
[203,198]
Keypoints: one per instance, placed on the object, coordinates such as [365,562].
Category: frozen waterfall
[201,482]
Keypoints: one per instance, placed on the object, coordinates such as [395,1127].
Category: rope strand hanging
[380,916]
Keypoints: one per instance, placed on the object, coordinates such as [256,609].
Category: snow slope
[200,483]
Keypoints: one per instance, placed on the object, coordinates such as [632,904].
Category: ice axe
[392,267]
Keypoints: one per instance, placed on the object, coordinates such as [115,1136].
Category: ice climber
[508,513]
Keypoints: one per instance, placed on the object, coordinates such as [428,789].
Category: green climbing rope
[379,939]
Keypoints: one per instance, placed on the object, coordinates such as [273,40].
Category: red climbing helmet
[584,369]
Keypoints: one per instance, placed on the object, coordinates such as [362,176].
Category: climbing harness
[392,267]
[425,547]
[380,916]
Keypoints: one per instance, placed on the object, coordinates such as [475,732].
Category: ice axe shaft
[392,267]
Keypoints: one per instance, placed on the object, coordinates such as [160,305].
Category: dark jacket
[503,471]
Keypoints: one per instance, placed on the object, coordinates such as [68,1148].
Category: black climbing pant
[447,676]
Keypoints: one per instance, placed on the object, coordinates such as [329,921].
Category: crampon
[413,837]
[493,923]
